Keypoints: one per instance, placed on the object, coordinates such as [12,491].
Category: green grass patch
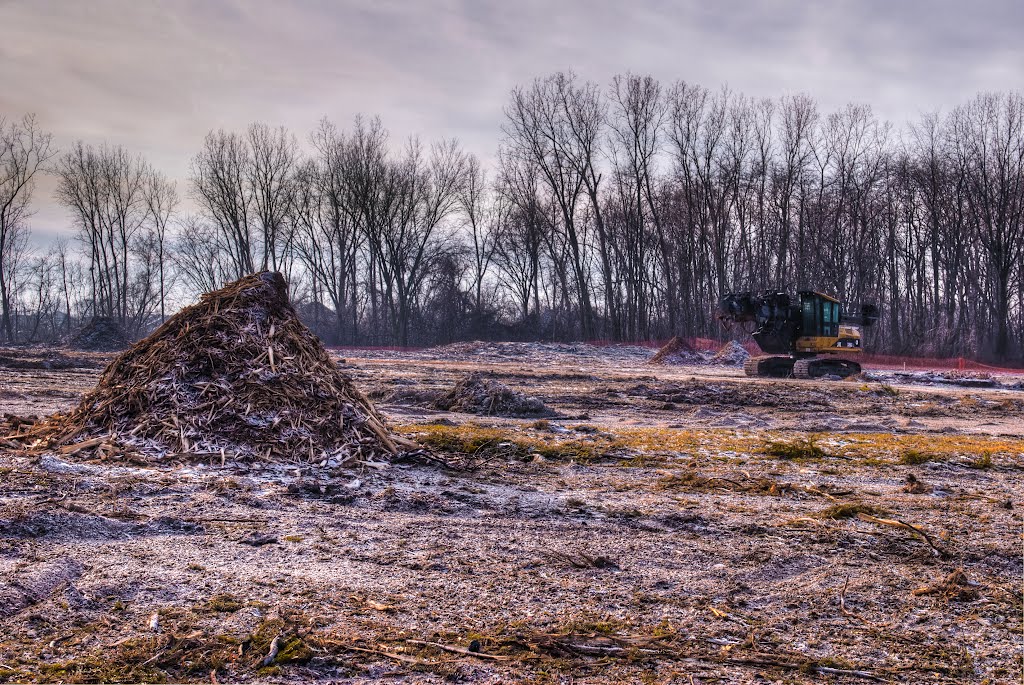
[984,461]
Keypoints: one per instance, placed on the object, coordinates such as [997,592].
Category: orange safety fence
[880,361]
[945,363]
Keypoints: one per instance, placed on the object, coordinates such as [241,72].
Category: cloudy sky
[156,75]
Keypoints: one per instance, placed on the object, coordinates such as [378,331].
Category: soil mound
[730,354]
[476,394]
[101,334]
[677,351]
[236,374]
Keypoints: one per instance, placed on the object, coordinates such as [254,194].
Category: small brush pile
[100,334]
[730,354]
[476,394]
[677,351]
[236,375]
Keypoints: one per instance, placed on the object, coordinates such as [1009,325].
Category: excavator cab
[820,315]
[824,329]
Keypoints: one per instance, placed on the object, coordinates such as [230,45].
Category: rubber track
[752,367]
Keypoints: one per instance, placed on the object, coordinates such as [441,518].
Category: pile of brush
[677,351]
[730,354]
[236,376]
[100,334]
[477,394]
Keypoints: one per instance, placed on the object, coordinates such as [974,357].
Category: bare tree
[989,135]
[520,235]
[24,150]
[638,118]
[220,185]
[161,201]
[274,154]
[539,132]
[329,239]
[480,213]
[104,188]
[201,260]
[425,192]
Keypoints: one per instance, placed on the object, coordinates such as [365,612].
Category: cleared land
[655,524]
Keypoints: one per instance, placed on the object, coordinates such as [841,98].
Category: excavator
[803,334]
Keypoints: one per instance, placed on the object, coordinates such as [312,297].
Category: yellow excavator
[803,335]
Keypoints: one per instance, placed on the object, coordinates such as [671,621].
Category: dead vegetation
[100,334]
[477,445]
[956,587]
[691,481]
[677,351]
[478,394]
[801,448]
[235,376]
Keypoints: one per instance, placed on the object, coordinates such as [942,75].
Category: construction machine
[803,335]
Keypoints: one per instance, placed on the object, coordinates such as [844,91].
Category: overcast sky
[155,76]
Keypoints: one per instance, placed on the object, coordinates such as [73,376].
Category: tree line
[620,212]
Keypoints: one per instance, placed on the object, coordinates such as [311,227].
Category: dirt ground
[657,524]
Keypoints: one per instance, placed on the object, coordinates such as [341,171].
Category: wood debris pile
[476,394]
[236,375]
[100,334]
[730,354]
[954,587]
[677,351]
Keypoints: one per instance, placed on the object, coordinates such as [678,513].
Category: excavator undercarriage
[790,367]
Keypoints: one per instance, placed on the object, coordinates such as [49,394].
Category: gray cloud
[156,76]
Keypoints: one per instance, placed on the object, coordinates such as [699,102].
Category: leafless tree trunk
[104,188]
[24,150]
[161,201]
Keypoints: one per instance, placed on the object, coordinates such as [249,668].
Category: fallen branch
[828,670]
[379,652]
[275,646]
[896,523]
[460,650]
[69,450]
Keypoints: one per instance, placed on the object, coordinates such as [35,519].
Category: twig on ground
[460,650]
[896,523]
[390,655]
[275,646]
[842,602]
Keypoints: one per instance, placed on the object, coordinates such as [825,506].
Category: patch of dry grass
[849,510]
[798,449]
[523,445]
[646,447]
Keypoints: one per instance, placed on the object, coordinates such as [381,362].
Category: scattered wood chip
[954,587]
[275,647]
